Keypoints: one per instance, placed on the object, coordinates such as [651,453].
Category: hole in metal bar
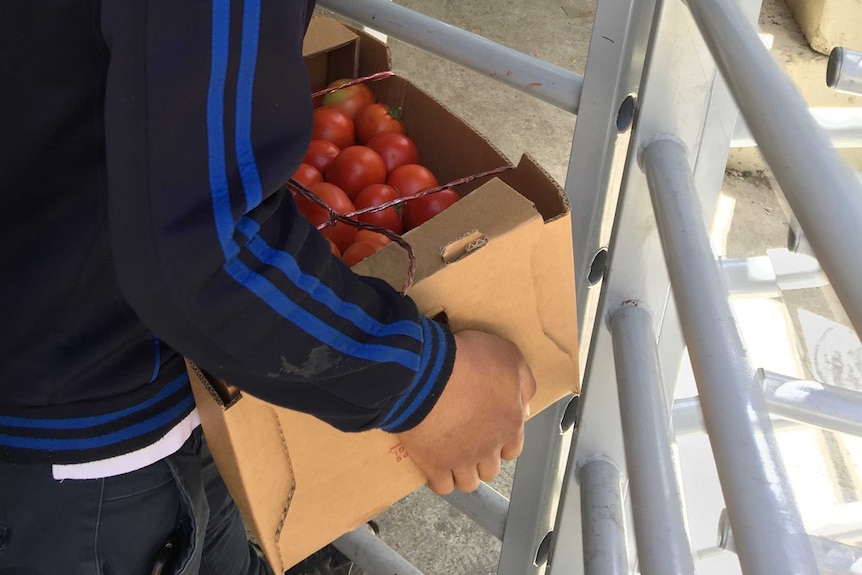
[570,415]
[626,113]
[597,268]
[544,550]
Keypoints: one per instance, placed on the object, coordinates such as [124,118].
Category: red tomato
[376,119]
[320,154]
[334,248]
[359,251]
[355,168]
[333,125]
[420,210]
[371,236]
[395,149]
[307,175]
[375,195]
[349,99]
[410,179]
[341,234]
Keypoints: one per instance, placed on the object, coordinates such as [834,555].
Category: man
[144,145]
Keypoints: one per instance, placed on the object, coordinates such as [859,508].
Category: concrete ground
[425,529]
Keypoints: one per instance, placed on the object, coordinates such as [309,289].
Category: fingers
[467,479]
[528,384]
[513,449]
[441,483]
[489,469]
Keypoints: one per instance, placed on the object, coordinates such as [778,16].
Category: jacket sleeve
[208,112]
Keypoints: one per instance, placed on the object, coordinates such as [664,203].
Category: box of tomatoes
[493,254]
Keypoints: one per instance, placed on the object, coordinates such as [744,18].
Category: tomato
[376,119]
[355,168]
[375,195]
[371,236]
[349,99]
[320,154]
[410,179]
[333,125]
[334,248]
[359,251]
[307,175]
[341,234]
[395,149]
[420,210]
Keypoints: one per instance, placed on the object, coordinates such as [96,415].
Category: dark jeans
[119,525]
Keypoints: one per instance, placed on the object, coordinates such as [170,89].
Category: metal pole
[815,403]
[833,557]
[373,555]
[602,508]
[843,127]
[844,71]
[688,419]
[662,539]
[545,81]
[770,534]
[819,186]
[536,489]
[485,506]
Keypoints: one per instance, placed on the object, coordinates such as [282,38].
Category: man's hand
[478,419]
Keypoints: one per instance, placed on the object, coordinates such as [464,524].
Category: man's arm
[207,113]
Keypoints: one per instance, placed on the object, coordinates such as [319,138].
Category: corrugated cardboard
[499,260]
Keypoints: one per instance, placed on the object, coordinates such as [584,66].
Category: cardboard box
[499,260]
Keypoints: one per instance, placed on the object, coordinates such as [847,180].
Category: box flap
[493,210]
[325,35]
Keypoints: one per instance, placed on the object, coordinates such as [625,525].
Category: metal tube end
[833,67]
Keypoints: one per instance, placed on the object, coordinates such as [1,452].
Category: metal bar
[758,495]
[844,71]
[604,533]
[485,506]
[843,127]
[688,419]
[555,85]
[767,276]
[821,189]
[373,555]
[833,557]
[536,489]
[662,539]
[812,402]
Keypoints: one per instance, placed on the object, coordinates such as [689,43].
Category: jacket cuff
[435,367]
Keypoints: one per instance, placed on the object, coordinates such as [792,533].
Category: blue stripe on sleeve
[428,339]
[324,294]
[157,359]
[85,422]
[215,128]
[244,92]
[429,381]
[125,434]
[312,324]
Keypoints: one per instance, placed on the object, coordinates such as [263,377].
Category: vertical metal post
[604,527]
[660,530]
[535,490]
[761,505]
